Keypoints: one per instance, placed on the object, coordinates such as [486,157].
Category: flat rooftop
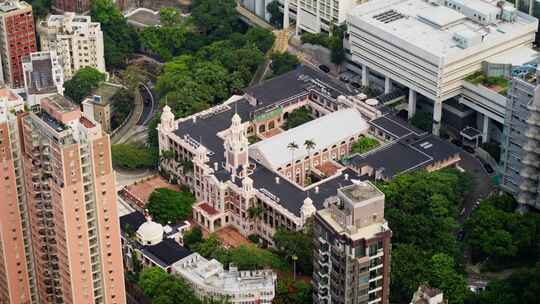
[61,104]
[106,91]
[366,232]
[516,57]
[360,192]
[431,27]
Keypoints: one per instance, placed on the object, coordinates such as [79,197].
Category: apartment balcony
[533,147]
[529,172]
[531,160]
[528,185]
[534,119]
[323,261]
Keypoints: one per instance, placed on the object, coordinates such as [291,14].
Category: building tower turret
[236,146]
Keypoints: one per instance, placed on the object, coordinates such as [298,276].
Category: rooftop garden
[495,83]
[364,145]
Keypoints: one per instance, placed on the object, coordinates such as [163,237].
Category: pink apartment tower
[71,207]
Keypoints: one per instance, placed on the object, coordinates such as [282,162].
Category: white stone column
[437,115]
[286,15]
[365,75]
[485,130]
[412,103]
[387,85]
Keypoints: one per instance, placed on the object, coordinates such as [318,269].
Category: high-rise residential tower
[71,201]
[520,148]
[77,6]
[17,39]
[17,282]
[77,40]
[352,248]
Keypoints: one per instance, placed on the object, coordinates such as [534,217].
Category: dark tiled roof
[206,129]
[293,83]
[393,159]
[292,197]
[134,220]
[166,253]
[394,126]
[408,154]
[436,148]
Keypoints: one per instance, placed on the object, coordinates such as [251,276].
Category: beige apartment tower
[71,203]
[77,40]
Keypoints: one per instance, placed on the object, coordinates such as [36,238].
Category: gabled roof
[324,131]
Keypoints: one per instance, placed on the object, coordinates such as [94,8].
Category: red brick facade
[77,6]
[19,40]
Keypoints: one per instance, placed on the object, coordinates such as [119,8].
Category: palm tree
[310,145]
[292,146]
[255,212]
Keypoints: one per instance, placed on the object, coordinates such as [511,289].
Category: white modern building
[210,280]
[43,76]
[431,46]
[312,16]
[77,40]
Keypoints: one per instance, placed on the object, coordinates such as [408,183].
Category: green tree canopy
[521,287]
[296,243]
[276,16]
[129,157]
[121,103]
[422,210]
[500,236]
[167,205]
[298,117]
[423,121]
[216,19]
[40,8]
[262,38]
[167,40]
[120,40]
[193,237]
[83,83]
[163,288]
[283,63]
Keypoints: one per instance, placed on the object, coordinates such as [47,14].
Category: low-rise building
[43,76]
[153,244]
[278,171]
[210,280]
[99,106]
[428,295]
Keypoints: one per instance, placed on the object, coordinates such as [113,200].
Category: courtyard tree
[83,83]
[169,206]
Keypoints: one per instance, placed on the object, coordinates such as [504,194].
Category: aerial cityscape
[269,151]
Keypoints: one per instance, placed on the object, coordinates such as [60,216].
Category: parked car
[488,168]
[469,149]
[346,76]
[324,68]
